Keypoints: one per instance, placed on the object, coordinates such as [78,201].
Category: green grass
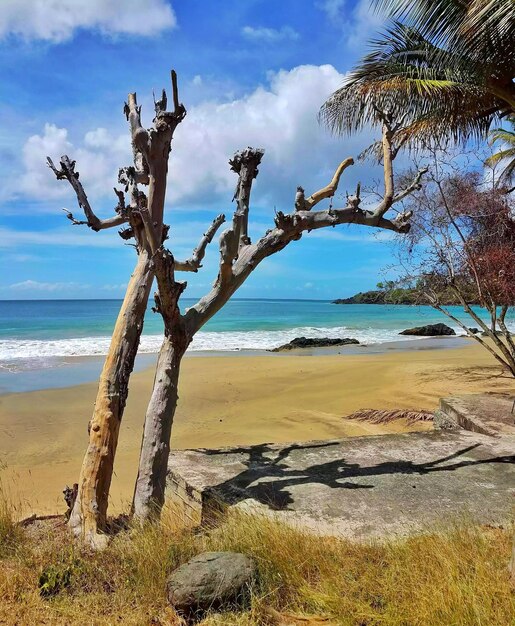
[456,576]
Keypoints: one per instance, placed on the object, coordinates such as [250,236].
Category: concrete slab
[357,487]
[490,414]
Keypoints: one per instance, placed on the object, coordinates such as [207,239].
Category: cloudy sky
[251,73]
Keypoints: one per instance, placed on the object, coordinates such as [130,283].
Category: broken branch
[67,172]
[194,263]
[327,191]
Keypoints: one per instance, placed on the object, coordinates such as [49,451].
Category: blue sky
[250,73]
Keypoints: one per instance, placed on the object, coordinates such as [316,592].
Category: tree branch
[236,265]
[415,185]
[68,172]
[326,192]
[245,163]
[194,263]
[139,136]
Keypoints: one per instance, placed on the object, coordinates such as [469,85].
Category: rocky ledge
[430,330]
[322,342]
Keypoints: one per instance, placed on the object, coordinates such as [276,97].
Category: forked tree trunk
[149,494]
[88,516]
[238,259]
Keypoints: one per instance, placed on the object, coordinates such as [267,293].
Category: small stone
[210,580]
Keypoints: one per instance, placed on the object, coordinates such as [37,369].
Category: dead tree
[151,150]
[239,257]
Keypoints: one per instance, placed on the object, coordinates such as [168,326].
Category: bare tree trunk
[89,512]
[238,259]
[149,494]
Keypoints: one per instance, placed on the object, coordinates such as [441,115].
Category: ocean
[36,335]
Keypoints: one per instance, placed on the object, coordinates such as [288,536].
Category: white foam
[11,349]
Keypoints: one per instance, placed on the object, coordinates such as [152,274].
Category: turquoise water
[58,328]
[39,339]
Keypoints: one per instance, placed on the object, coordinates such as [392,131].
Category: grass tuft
[10,532]
[456,576]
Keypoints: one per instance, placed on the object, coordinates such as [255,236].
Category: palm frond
[503,135]
[500,156]
[468,27]
[436,91]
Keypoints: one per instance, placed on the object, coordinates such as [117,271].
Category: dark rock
[210,580]
[474,330]
[498,333]
[431,330]
[323,342]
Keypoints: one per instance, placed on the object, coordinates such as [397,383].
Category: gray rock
[430,330]
[210,580]
[474,330]
[319,342]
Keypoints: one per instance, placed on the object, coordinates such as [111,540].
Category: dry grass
[452,577]
[376,416]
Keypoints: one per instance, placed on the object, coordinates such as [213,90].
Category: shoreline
[231,402]
[63,372]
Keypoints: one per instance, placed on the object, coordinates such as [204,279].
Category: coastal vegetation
[448,575]
[390,292]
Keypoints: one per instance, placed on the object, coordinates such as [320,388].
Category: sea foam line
[204,341]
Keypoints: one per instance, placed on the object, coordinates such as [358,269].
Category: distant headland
[386,294]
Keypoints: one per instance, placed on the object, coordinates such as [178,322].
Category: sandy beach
[227,401]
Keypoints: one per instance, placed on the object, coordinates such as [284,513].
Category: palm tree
[445,67]
[505,154]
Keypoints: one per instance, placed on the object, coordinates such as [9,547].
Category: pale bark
[149,493]
[238,259]
[151,150]
[89,513]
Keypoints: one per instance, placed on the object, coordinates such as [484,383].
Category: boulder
[473,330]
[210,580]
[322,342]
[431,330]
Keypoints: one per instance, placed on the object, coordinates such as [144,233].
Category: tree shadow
[269,466]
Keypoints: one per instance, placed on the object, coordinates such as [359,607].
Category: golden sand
[228,401]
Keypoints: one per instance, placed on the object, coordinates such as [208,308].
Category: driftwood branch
[389,153]
[67,172]
[194,263]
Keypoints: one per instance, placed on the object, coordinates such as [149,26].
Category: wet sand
[231,401]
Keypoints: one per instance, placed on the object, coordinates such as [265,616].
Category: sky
[251,73]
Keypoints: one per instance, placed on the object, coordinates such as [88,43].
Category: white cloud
[57,20]
[280,117]
[97,160]
[120,287]
[359,23]
[34,285]
[269,34]
[332,8]
[71,236]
